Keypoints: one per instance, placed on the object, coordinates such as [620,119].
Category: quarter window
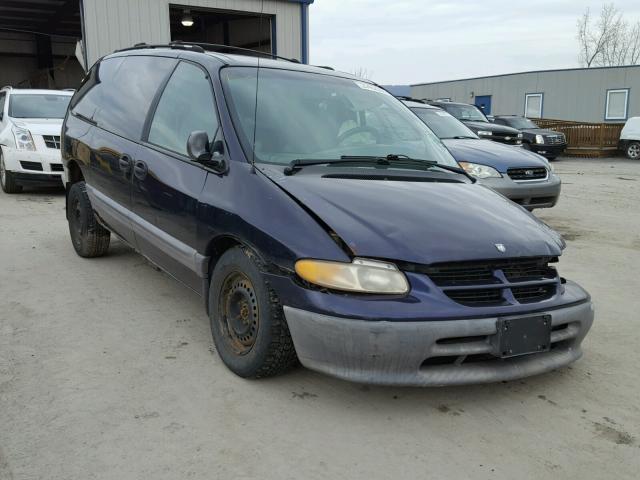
[2,97]
[186,105]
[125,104]
[533,105]
[617,102]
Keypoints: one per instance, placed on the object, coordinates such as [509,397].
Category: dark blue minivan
[318,217]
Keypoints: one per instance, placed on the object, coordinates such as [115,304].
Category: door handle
[125,163]
[140,169]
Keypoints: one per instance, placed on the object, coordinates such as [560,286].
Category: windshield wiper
[458,137]
[406,161]
[389,160]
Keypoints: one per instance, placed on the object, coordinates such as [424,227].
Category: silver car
[520,175]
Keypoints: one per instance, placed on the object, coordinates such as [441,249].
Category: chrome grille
[52,141]
[523,174]
[557,139]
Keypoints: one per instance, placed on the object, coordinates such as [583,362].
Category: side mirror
[198,146]
[200,149]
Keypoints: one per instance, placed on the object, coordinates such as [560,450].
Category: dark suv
[547,143]
[473,118]
[318,217]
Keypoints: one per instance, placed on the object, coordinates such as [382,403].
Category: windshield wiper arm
[389,160]
[404,160]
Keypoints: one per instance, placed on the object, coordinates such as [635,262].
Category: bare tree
[610,41]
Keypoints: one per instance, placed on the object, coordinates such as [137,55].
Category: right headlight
[484,133]
[361,275]
[24,140]
[539,139]
[480,171]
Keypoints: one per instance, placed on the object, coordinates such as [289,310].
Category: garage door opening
[38,40]
[224,27]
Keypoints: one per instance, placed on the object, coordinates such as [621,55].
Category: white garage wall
[115,24]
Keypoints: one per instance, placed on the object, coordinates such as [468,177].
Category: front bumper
[430,353]
[529,194]
[34,168]
[548,151]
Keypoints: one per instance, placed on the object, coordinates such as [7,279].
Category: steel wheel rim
[75,216]
[634,151]
[239,313]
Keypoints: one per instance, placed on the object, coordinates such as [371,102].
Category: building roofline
[521,73]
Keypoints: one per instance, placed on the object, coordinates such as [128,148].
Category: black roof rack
[201,47]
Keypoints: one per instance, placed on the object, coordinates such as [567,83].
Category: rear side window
[90,95]
[186,105]
[125,103]
[119,91]
[2,97]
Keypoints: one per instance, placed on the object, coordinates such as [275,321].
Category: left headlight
[480,171]
[361,275]
[24,140]
[539,139]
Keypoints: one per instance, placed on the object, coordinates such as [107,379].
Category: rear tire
[633,151]
[247,321]
[7,182]
[89,238]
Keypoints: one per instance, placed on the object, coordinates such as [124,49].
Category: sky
[414,41]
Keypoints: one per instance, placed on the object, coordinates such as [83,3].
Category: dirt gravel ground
[107,371]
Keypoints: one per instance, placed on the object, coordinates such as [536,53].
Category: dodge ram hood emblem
[500,247]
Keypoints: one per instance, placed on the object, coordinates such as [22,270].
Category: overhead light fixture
[187,19]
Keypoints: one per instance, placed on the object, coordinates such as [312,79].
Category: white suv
[30,127]
[630,138]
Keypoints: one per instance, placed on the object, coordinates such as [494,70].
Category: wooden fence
[586,139]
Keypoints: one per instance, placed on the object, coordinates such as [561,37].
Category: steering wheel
[354,131]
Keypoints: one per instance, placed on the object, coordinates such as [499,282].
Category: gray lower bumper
[433,353]
[542,194]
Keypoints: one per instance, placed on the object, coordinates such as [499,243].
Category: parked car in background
[521,176]
[477,121]
[318,218]
[630,138]
[548,143]
[30,125]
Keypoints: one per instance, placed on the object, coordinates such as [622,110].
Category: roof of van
[240,60]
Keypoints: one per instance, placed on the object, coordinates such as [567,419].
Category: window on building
[186,105]
[533,105]
[617,101]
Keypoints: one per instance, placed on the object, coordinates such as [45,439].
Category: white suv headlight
[24,140]
[480,171]
[361,275]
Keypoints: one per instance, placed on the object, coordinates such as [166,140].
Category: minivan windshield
[40,105]
[443,125]
[465,112]
[302,115]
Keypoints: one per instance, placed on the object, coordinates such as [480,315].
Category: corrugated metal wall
[578,95]
[114,24]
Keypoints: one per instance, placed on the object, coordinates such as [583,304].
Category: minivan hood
[40,126]
[494,154]
[420,222]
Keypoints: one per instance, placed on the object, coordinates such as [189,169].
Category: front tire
[633,151]
[247,321]
[89,238]
[7,182]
